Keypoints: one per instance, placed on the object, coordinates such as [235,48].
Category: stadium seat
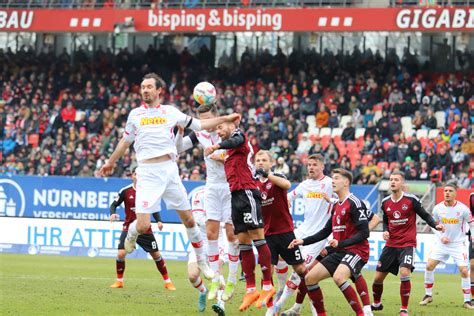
[33,140]
[382,164]
[342,151]
[252,113]
[377,116]
[393,165]
[325,131]
[313,130]
[440,118]
[336,132]
[408,132]
[406,122]
[325,141]
[366,159]
[421,133]
[344,120]
[360,133]
[311,120]
[433,133]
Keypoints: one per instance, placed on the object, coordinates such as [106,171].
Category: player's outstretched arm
[113,207]
[323,233]
[279,180]
[234,141]
[213,122]
[420,210]
[119,151]
[184,143]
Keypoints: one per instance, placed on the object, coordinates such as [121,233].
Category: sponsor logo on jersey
[445,220]
[314,195]
[153,120]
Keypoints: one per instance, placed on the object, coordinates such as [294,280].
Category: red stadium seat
[366,158]
[393,165]
[382,164]
[33,140]
[386,145]
[325,141]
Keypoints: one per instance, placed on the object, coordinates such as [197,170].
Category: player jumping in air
[147,240]
[456,218]
[217,202]
[399,226]
[349,227]
[278,223]
[246,212]
[315,192]
[194,271]
[150,127]
[471,249]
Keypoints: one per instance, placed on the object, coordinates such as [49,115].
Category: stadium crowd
[363,112]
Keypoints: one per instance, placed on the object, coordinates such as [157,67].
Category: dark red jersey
[471,203]
[276,215]
[349,226]
[238,164]
[127,196]
[400,219]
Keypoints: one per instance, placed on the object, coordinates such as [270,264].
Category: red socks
[264,258]
[248,264]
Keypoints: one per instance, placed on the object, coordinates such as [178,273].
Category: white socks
[466,288]
[290,288]
[213,255]
[281,270]
[195,238]
[234,252]
[429,281]
[199,285]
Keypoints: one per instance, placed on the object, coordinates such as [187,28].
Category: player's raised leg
[196,281]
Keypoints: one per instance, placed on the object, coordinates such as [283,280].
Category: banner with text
[100,239]
[240,20]
[89,198]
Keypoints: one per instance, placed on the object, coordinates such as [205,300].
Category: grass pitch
[54,285]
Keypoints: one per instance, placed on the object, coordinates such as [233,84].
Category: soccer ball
[204,93]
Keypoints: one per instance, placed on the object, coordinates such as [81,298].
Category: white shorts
[160,181]
[458,251]
[217,202]
[310,252]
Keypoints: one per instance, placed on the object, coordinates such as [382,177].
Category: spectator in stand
[322,118]
[304,144]
[333,120]
[378,152]
[282,167]
[348,134]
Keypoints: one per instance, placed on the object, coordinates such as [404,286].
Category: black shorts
[329,250]
[278,245]
[349,259]
[392,259]
[146,241]
[246,210]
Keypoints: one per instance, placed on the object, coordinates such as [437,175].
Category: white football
[204,93]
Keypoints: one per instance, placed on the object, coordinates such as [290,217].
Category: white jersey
[199,214]
[215,172]
[152,130]
[456,220]
[316,209]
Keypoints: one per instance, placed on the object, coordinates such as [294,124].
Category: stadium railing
[124,4]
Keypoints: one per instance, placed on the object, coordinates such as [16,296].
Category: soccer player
[147,240]
[453,242]
[217,202]
[399,226]
[199,214]
[349,227]
[359,280]
[246,212]
[150,128]
[316,192]
[278,223]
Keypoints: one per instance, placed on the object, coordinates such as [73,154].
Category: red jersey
[276,215]
[349,226]
[238,164]
[400,219]
[127,196]
[471,203]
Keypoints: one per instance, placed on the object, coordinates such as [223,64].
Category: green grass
[54,285]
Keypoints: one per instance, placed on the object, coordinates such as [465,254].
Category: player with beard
[246,212]
[150,128]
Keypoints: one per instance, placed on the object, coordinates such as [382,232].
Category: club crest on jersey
[268,186]
[153,120]
[343,212]
[264,195]
[397,214]
[404,207]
